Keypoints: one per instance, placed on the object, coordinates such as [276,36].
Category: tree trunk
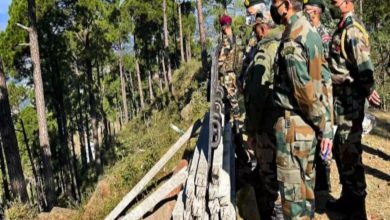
[133,101]
[202,33]
[7,194]
[74,163]
[160,84]
[123,85]
[188,47]
[31,158]
[62,131]
[181,35]
[80,129]
[166,46]
[141,94]
[151,94]
[87,136]
[10,143]
[94,118]
[40,104]
[165,74]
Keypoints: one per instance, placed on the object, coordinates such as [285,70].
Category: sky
[4,4]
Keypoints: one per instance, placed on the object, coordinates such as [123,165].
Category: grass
[376,158]
[19,211]
[143,141]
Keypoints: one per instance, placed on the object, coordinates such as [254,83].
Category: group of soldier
[304,93]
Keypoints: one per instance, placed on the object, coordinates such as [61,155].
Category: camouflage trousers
[296,145]
[322,168]
[347,150]
[267,187]
[228,81]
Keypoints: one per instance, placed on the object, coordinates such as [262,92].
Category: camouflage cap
[225,19]
[249,3]
[318,3]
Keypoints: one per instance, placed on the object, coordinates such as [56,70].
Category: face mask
[275,14]
[335,10]
[250,19]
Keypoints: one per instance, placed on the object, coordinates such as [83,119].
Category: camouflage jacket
[230,58]
[299,69]
[259,84]
[249,41]
[326,75]
[324,33]
[350,60]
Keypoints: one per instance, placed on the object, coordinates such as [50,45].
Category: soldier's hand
[326,149]
[374,99]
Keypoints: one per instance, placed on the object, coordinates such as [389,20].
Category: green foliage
[17,94]
[185,77]
[30,121]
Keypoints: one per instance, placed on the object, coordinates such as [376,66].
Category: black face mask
[334,12]
[275,14]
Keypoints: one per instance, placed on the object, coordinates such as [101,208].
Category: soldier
[315,8]
[229,62]
[259,112]
[302,110]
[253,7]
[353,82]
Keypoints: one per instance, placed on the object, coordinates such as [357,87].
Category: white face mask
[250,19]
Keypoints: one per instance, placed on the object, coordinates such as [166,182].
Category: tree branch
[24,44]
[23,27]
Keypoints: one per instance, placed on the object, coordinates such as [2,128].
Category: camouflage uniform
[352,76]
[230,61]
[300,95]
[260,118]
[322,167]
[325,37]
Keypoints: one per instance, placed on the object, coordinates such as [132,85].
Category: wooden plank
[225,172]
[178,211]
[146,205]
[149,176]
[189,187]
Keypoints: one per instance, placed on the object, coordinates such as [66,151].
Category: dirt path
[376,158]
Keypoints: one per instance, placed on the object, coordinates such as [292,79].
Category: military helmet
[225,19]
[318,3]
[249,3]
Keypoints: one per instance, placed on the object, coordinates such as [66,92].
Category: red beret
[225,19]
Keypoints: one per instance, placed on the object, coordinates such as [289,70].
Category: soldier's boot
[358,211]
[342,204]
[267,215]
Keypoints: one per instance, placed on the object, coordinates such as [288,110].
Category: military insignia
[288,50]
